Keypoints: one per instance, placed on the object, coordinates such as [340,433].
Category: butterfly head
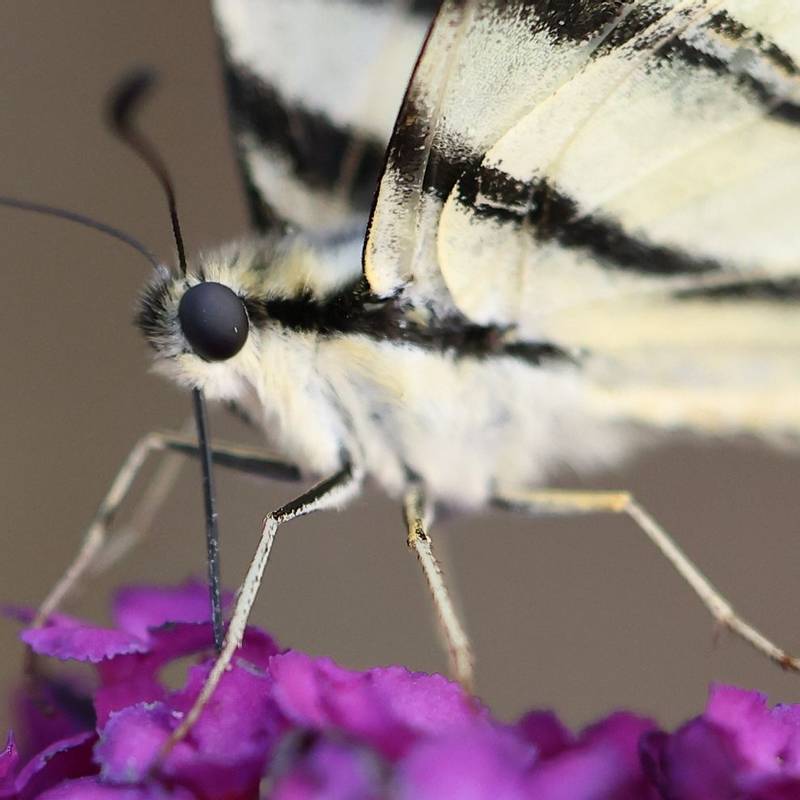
[209,322]
[200,328]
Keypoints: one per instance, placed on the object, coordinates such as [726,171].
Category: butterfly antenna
[81,219]
[125,102]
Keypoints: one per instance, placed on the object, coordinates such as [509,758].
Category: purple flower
[291,727]
[739,748]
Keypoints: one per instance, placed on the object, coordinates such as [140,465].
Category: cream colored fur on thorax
[461,425]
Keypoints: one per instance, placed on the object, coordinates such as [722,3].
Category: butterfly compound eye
[213,320]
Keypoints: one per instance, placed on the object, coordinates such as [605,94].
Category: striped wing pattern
[620,178]
[313,89]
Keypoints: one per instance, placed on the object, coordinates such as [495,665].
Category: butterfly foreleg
[558,501]
[330,493]
[158,489]
[232,456]
[95,539]
[418,518]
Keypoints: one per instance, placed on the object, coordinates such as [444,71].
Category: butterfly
[583,225]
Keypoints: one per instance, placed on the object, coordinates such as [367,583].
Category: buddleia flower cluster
[288,726]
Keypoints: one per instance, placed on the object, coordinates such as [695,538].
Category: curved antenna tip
[124,101]
[128,94]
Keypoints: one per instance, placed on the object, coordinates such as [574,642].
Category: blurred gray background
[580,615]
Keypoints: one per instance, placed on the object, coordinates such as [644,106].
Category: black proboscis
[212,520]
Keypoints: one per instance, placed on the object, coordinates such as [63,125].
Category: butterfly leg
[232,456]
[576,502]
[330,493]
[96,536]
[418,517]
[140,523]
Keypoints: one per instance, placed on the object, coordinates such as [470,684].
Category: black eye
[213,321]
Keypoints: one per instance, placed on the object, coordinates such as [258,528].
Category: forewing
[313,88]
[485,64]
[620,179]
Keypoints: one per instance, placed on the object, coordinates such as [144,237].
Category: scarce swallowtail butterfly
[581,224]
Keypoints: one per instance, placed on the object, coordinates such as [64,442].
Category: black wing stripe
[312,144]
[567,22]
[775,106]
[552,216]
[764,57]
[425,8]
[777,290]
[634,23]
[354,311]
[723,23]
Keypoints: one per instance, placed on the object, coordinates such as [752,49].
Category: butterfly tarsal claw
[752,636]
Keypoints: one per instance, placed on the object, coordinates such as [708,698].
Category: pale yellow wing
[620,179]
[313,89]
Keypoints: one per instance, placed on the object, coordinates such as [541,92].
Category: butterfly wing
[619,179]
[313,88]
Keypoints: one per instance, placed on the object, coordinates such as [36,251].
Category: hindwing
[313,88]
